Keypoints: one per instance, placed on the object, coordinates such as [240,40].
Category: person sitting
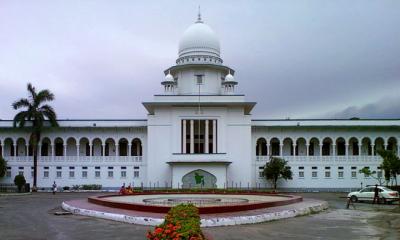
[122,190]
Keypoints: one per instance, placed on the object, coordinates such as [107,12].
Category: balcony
[75,159]
[199,158]
[325,159]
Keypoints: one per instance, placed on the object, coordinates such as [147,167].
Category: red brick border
[101,200]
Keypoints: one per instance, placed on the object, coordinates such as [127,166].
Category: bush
[76,187]
[181,222]
[3,167]
[20,181]
[66,188]
[91,187]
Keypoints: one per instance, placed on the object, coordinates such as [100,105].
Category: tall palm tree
[33,117]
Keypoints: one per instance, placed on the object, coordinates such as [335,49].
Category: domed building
[199,133]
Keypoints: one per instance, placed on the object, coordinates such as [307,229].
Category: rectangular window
[46,174]
[8,173]
[84,174]
[110,174]
[314,174]
[58,174]
[123,174]
[340,174]
[353,174]
[261,172]
[21,171]
[199,79]
[327,174]
[379,174]
[193,136]
[97,172]
[301,174]
[136,172]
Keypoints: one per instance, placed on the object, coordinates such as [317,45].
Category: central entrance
[199,179]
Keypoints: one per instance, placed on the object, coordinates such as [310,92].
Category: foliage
[390,164]
[66,188]
[91,187]
[35,112]
[20,181]
[76,187]
[276,169]
[3,167]
[181,223]
[368,173]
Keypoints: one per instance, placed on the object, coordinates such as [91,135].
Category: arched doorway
[199,179]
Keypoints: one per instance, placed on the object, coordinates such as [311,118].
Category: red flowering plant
[182,222]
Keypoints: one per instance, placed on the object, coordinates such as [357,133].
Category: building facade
[199,133]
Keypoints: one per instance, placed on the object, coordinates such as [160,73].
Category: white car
[367,194]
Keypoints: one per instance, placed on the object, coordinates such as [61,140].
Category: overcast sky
[297,59]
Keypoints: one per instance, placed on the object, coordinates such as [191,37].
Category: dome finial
[199,16]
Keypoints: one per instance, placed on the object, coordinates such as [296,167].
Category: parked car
[367,194]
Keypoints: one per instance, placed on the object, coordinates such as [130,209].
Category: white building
[199,132]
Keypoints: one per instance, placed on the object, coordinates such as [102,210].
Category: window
[97,172]
[301,174]
[327,174]
[123,172]
[71,172]
[8,173]
[136,172]
[46,172]
[199,79]
[340,172]
[32,172]
[59,172]
[21,171]
[199,129]
[353,172]
[314,174]
[110,172]
[261,172]
[84,172]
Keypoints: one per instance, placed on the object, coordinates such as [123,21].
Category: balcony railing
[71,159]
[361,158]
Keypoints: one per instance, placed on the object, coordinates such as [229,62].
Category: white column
[346,149]
[183,136]
[65,149]
[320,149]
[333,149]
[214,122]
[359,148]
[39,150]
[268,149]
[307,149]
[116,150]
[206,138]
[15,150]
[53,150]
[130,150]
[385,146]
[294,149]
[2,149]
[281,149]
[78,146]
[103,148]
[90,149]
[373,149]
[191,136]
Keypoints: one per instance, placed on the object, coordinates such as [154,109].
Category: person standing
[54,187]
[376,194]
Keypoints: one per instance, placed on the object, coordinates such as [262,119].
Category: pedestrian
[376,194]
[54,187]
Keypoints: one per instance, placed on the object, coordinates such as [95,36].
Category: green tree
[33,118]
[368,173]
[276,169]
[390,164]
[3,167]
[20,181]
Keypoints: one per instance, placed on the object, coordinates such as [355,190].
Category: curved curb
[213,222]
[14,194]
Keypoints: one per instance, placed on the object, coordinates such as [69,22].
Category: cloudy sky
[297,59]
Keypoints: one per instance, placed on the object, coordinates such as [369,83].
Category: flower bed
[182,222]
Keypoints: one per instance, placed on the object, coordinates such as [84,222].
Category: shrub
[20,181]
[91,187]
[75,187]
[3,167]
[182,222]
[66,188]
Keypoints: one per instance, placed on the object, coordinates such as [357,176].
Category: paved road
[31,218]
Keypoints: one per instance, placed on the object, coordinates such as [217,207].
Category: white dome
[229,78]
[199,39]
[169,78]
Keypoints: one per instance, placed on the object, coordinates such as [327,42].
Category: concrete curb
[213,222]
[14,194]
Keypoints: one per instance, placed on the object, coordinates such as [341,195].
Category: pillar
[333,149]
[268,149]
[214,122]
[346,149]
[2,149]
[15,150]
[320,149]
[116,150]
[90,149]
[281,149]
[53,150]
[359,148]
[191,136]
[294,149]
[103,147]
[78,146]
[373,149]
[39,150]
[206,144]
[184,136]
[65,150]
[307,149]
[130,149]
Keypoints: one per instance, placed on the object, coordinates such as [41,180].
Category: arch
[45,149]
[136,148]
[327,146]
[287,149]
[84,146]
[366,146]
[261,147]
[340,146]
[301,146]
[21,147]
[379,144]
[275,147]
[354,146]
[123,147]
[199,179]
[59,146]
[97,147]
[392,144]
[71,146]
[110,147]
[313,148]
[9,149]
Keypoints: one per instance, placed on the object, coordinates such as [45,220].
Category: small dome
[199,39]
[229,78]
[169,78]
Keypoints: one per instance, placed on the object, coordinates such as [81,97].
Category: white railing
[373,159]
[67,159]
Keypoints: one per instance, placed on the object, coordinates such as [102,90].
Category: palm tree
[33,117]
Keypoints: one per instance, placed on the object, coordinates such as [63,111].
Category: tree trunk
[35,138]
